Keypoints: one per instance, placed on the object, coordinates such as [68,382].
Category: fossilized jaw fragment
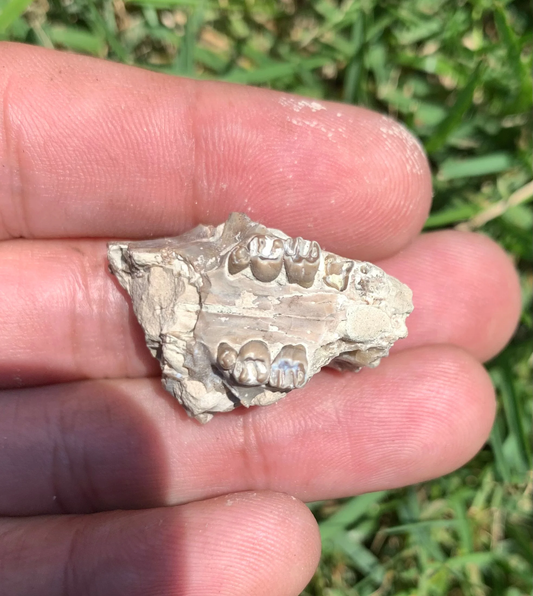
[302,259]
[240,314]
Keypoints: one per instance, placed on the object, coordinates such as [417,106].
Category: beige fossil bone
[240,314]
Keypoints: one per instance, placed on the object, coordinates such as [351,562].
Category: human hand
[91,150]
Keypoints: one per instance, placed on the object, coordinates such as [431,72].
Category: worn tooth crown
[337,272]
[266,257]
[302,260]
[226,356]
[238,259]
[289,368]
[253,364]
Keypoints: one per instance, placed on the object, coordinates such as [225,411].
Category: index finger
[91,148]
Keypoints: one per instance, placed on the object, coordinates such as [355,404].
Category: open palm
[159,504]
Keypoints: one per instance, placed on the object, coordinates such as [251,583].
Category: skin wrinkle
[199,159]
[56,467]
[216,140]
[125,349]
[80,290]
[72,581]
[13,163]
[65,466]
[373,464]
[458,255]
[359,460]
[255,460]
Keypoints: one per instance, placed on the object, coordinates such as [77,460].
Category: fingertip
[498,282]
[236,545]
[403,160]
[271,533]
[357,180]
[466,292]
[458,410]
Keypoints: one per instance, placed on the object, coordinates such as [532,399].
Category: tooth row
[266,255]
[252,365]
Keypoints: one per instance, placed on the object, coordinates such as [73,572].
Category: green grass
[458,75]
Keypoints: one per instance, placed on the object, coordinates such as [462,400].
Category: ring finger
[98,445]
[201,548]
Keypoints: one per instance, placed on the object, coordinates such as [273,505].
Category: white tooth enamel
[289,368]
[302,261]
[253,364]
[266,257]
[226,356]
[337,272]
[238,259]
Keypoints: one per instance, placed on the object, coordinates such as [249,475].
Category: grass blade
[455,115]
[505,383]
[76,39]
[496,443]
[450,216]
[349,513]
[271,73]
[11,11]
[511,43]
[352,77]
[477,166]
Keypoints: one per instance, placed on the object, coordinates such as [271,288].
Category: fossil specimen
[240,314]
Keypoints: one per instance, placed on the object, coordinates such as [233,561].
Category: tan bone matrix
[240,314]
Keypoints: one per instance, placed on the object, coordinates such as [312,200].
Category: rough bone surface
[240,314]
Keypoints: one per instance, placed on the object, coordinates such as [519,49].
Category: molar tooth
[253,364]
[337,272]
[226,356]
[289,369]
[302,259]
[238,259]
[266,257]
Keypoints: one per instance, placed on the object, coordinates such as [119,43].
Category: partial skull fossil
[240,314]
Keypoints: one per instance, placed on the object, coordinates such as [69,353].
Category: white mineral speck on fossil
[240,314]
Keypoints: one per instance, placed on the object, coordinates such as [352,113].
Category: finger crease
[13,164]
[196,165]
[255,461]
[71,581]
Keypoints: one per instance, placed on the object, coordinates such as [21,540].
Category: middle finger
[60,295]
